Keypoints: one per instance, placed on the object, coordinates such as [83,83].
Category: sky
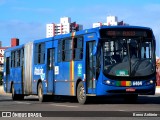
[27,19]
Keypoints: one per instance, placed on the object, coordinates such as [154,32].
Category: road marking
[21,102]
[121,110]
[60,105]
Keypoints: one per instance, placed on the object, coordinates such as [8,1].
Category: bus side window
[61,55]
[17,58]
[68,50]
[8,65]
[40,53]
[78,48]
[13,59]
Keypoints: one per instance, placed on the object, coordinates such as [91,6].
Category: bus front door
[50,68]
[90,68]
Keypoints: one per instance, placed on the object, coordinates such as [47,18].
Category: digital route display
[126,33]
[123,33]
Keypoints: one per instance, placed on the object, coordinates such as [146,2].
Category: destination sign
[123,33]
[126,33]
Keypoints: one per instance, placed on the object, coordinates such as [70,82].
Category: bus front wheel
[81,95]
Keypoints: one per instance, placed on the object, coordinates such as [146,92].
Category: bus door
[7,73]
[50,69]
[90,68]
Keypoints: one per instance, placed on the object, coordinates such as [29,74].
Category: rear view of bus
[128,62]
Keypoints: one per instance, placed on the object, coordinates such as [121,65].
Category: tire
[16,96]
[20,97]
[81,95]
[40,93]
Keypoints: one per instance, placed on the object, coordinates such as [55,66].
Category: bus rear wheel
[16,96]
[81,95]
[40,93]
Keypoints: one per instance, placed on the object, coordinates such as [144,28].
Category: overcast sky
[27,19]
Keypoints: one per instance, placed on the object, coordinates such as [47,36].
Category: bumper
[103,89]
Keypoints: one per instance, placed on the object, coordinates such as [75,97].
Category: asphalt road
[97,107]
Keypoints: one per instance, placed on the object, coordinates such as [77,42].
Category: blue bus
[102,61]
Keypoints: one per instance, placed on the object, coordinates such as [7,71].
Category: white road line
[121,110]
[60,105]
[21,102]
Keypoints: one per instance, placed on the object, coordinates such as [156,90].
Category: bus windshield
[128,57]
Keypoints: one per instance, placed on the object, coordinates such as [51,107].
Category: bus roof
[91,30]
[14,48]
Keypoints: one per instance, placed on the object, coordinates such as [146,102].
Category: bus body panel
[12,75]
[16,78]
[144,89]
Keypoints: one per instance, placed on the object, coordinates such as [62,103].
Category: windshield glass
[131,57]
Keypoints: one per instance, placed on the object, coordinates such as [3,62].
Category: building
[110,21]
[65,26]
[2,57]
[14,42]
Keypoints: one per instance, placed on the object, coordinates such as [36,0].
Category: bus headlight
[150,82]
[108,82]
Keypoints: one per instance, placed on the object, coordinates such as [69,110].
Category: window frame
[39,53]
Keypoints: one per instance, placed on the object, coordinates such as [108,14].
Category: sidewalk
[158,89]
[2,91]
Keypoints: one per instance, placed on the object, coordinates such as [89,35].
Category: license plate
[130,89]
[137,83]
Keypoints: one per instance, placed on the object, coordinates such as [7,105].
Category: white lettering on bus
[38,71]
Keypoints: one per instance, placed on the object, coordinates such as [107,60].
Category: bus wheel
[81,95]
[20,97]
[40,92]
[14,96]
